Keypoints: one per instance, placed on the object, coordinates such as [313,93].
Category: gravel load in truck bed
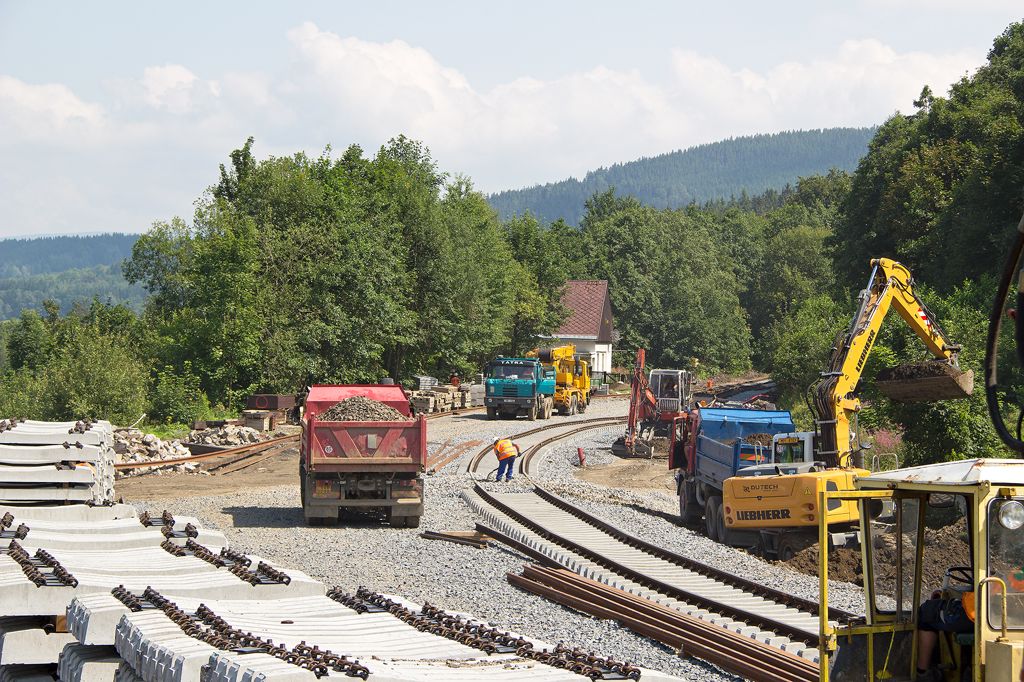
[764,439]
[360,409]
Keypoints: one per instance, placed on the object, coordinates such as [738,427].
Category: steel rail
[759,619]
[527,458]
[474,463]
[451,413]
[255,447]
[717,574]
[689,636]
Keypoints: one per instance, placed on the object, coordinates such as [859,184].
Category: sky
[116,114]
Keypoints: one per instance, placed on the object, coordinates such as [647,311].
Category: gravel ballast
[365,552]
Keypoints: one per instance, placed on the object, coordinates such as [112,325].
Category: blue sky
[116,114]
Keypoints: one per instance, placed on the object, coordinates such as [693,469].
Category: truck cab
[519,386]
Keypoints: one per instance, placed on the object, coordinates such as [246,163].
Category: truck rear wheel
[492,413]
[689,510]
[712,517]
[531,414]
[581,406]
[412,522]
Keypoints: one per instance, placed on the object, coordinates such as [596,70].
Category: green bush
[21,395]
[94,376]
[177,397]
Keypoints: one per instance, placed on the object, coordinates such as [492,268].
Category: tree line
[355,267]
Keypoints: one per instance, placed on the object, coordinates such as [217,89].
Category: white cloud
[38,111]
[156,140]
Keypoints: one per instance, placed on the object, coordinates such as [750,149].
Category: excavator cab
[671,388]
[954,531]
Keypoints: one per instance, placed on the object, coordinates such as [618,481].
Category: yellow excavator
[572,377]
[779,501]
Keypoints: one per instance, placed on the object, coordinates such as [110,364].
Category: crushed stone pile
[918,371]
[228,435]
[763,439]
[758,439]
[133,445]
[360,409]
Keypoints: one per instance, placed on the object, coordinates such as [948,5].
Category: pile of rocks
[132,445]
[360,409]
[228,435]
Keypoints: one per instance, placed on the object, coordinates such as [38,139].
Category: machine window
[1006,560]
[893,560]
[789,453]
[510,372]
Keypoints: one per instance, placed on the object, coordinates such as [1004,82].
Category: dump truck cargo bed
[371,465]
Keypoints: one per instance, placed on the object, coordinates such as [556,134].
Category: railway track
[561,535]
[535,441]
[165,600]
[235,455]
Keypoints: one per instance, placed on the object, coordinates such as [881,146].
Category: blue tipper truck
[519,386]
[711,444]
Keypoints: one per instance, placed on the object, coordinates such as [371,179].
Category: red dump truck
[359,465]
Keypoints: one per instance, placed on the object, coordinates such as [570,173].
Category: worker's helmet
[496,439]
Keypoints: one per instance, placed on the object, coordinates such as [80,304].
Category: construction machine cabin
[982,500]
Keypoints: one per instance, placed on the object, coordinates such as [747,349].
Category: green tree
[29,342]
[177,397]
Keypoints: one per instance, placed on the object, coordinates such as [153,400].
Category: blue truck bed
[720,450]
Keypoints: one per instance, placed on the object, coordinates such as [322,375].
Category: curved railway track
[537,440]
[557,533]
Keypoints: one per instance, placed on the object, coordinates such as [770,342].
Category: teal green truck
[519,386]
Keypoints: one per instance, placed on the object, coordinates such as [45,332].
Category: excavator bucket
[925,382]
[641,448]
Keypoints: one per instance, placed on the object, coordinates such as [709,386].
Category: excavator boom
[835,402]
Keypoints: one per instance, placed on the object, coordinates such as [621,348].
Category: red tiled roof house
[589,324]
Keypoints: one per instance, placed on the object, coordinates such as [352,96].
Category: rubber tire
[531,413]
[786,549]
[712,514]
[412,522]
[689,511]
[581,406]
[724,534]
[492,413]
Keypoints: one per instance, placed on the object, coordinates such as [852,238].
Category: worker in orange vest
[506,451]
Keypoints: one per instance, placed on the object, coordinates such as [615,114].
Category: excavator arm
[835,401]
[643,407]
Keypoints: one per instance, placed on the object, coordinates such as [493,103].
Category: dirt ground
[281,469]
[944,547]
[641,474]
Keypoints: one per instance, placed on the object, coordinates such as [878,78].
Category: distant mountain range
[69,270]
[709,172]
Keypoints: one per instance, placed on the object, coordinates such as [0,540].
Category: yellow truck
[572,377]
[779,501]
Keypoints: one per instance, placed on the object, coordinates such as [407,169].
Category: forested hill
[23,257]
[68,270]
[700,174]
